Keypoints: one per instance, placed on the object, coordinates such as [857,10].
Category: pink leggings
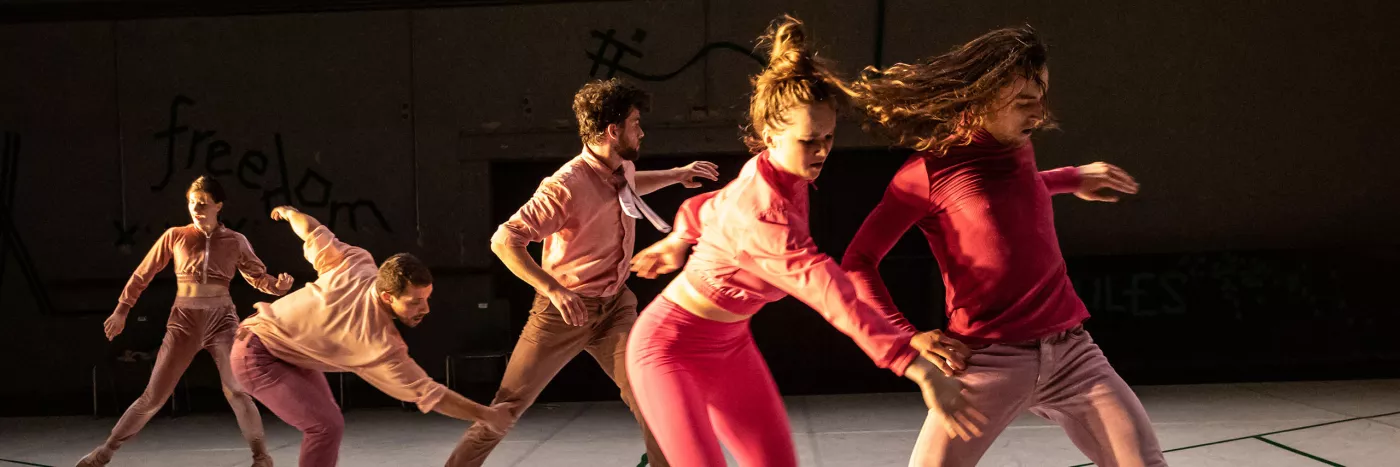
[196,323]
[699,382]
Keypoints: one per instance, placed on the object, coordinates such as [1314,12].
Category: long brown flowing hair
[940,102]
[795,76]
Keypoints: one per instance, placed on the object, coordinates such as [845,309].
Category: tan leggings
[206,323]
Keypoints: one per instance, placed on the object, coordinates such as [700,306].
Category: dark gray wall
[1250,125]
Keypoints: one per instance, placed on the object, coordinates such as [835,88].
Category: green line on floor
[1231,440]
[1295,451]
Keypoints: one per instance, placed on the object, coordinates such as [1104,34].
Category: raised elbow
[499,249]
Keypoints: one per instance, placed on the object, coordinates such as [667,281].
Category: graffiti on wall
[608,59]
[263,170]
[11,244]
[1233,286]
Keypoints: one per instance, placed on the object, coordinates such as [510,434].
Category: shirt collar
[787,184]
[599,166]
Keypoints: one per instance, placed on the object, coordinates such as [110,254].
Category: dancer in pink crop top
[695,369]
[206,256]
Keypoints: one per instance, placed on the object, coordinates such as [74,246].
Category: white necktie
[633,206]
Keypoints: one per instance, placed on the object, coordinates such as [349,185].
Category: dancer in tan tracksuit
[206,256]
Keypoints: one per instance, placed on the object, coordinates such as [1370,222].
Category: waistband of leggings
[203,302]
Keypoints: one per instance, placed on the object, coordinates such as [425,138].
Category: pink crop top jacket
[199,259]
[753,246]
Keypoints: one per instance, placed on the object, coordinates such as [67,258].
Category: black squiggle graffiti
[612,51]
[10,240]
[311,190]
[126,236]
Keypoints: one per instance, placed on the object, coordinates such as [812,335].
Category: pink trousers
[204,323]
[700,382]
[299,396]
[1063,378]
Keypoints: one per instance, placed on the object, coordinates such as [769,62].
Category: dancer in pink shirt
[206,256]
[697,374]
[344,321]
[586,216]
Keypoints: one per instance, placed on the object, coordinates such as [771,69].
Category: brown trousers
[545,346]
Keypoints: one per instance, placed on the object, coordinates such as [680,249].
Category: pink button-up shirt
[338,324]
[753,246]
[588,239]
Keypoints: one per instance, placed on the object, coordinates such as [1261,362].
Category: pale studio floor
[1351,423]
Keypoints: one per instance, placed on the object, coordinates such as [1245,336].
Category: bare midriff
[683,294]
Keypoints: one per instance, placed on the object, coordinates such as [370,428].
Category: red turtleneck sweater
[986,212]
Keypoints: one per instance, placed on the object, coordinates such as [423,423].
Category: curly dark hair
[606,102]
[942,101]
[399,271]
[794,77]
